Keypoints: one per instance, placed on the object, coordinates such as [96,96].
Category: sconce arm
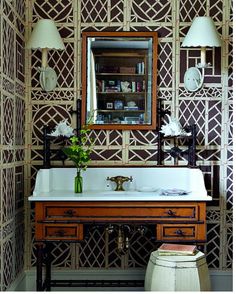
[46,147]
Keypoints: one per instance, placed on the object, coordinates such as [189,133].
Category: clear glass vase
[78,183]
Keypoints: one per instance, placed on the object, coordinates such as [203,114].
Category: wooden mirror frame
[116,126]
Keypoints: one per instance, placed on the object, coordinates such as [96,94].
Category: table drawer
[171,232]
[103,211]
[58,212]
[180,212]
[62,232]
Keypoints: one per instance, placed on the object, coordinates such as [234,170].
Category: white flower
[63,129]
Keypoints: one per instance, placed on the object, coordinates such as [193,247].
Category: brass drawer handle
[179,232]
[170,212]
[70,212]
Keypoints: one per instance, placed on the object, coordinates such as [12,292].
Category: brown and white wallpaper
[12,121]
[211,109]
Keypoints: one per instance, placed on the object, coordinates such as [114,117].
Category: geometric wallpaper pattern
[210,109]
[25,109]
[12,140]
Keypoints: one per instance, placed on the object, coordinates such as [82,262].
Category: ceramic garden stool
[177,273]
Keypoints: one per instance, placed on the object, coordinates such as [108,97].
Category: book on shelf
[99,85]
[177,249]
[133,86]
[139,86]
[140,68]
[127,69]
[103,86]
[108,69]
[131,108]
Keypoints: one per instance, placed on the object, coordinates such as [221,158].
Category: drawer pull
[170,212]
[60,233]
[69,212]
[179,232]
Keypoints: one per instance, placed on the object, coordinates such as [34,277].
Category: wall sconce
[45,36]
[202,33]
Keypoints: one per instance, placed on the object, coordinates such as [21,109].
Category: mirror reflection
[119,91]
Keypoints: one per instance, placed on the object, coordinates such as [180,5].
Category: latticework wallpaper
[210,109]
[12,108]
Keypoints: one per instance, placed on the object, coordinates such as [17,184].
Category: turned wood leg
[39,267]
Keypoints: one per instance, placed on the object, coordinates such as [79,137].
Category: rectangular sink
[147,184]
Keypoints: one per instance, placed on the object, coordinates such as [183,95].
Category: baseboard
[19,283]
[220,280]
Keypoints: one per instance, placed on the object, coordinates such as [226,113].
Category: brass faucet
[119,180]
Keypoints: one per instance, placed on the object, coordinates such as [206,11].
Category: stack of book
[127,70]
[177,249]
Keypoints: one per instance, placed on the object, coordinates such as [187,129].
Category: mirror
[119,71]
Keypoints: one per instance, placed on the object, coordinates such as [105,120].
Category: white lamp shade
[45,35]
[202,33]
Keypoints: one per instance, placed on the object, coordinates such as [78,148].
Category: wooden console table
[176,221]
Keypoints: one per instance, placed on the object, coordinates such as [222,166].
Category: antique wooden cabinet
[63,221]
[62,215]
[175,221]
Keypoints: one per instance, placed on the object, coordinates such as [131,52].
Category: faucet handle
[132,184]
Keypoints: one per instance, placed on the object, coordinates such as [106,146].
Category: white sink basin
[115,193]
[147,184]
